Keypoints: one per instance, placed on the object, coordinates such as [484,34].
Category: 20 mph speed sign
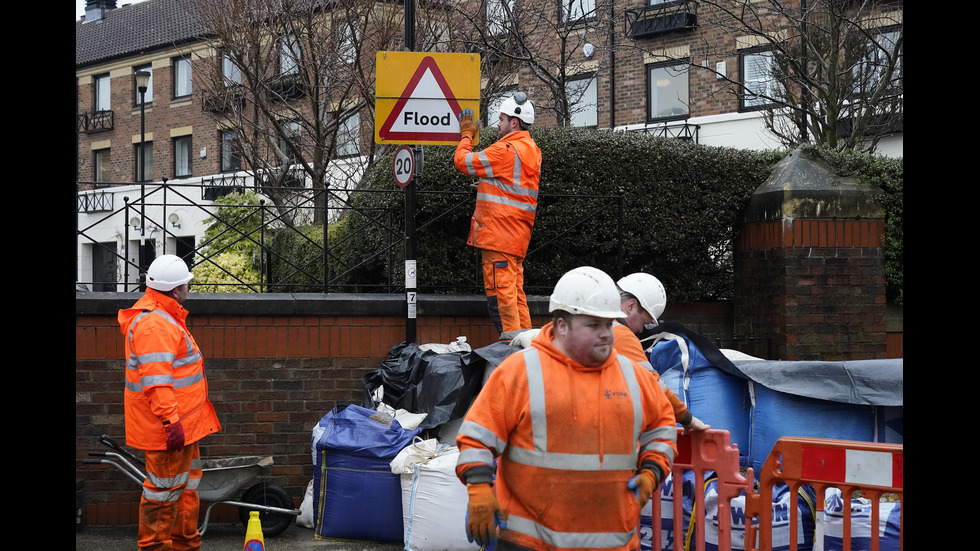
[404,165]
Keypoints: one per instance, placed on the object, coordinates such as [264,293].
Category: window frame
[229,70]
[179,80]
[497,26]
[101,91]
[353,142]
[648,69]
[148,166]
[567,16]
[102,165]
[593,83]
[756,103]
[177,142]
[230,159]
[288,51]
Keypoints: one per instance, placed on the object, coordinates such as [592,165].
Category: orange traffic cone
[253,534]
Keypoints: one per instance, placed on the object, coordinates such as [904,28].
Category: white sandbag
[305,518]
[433,500]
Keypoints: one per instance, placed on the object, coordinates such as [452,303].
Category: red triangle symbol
[414,125]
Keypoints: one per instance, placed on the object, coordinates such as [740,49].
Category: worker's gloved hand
[524,338]
[483,514]
[696,425]
[468,128]
[175,436]
[643,485]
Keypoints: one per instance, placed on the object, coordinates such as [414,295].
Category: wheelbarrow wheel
[272,495]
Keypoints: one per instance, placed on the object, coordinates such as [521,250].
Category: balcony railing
[661,19]
[97,121]
[224,100]
[97,201]
[685,132]
[219,186]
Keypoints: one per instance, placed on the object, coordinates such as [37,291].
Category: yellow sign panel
[419,95]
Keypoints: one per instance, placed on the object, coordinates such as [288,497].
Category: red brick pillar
[809,266]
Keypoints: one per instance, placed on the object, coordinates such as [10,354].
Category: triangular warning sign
[426,111]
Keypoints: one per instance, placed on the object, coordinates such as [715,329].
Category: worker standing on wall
[166,406]
[643,299]
[506,200]
[582,436]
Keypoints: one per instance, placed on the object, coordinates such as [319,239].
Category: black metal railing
[325,271]
[660,19]
[97,121]
[684,131]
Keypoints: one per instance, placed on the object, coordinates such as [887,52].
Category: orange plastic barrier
[853,467]
[709,450]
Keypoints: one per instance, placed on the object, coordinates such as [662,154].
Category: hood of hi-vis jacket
[165,381]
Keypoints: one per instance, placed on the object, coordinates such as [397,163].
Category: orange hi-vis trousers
[503,278]
[169,506]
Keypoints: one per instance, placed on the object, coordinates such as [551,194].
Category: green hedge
[680,202]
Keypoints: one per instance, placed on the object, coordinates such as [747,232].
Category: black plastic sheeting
[871,382]
[441,385]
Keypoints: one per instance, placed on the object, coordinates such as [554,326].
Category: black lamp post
[142,83]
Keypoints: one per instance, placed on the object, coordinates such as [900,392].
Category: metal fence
[122,227]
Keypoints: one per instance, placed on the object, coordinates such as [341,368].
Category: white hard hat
[519,106]
[589,291]
[166,272]
[648,290]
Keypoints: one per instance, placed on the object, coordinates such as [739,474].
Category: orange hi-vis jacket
[628,344]
[507,193]
[567,439]
[164,374]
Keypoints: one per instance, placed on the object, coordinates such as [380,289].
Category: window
[574,10]
[147,162]
[182,156]
[102,164]
[871,70]
[583,101]
[230,157]
[148,96]
[291,141]
[288,56]
[182,77]
[757,78]
[102,93]
[668,88]
[499,16]
[348,36]
[349,136]
[231,73]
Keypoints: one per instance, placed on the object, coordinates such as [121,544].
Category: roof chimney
[96,9]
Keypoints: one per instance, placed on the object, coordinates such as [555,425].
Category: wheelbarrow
[221,481]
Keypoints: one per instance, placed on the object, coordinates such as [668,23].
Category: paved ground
[226,537]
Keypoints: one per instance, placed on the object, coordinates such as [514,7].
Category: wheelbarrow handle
[110,443]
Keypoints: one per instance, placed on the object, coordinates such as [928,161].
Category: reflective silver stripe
[569,540]
[662,448]
[475,455]
[480,157]
[193,483]
[136,361]
[572,461]
[181,382]
[505,201]
[634,389]
[151,380]
[165,495]
[536,399]
[648,366]
[196,463]
[483,436]
[187,360]
[168,482]
[540,456]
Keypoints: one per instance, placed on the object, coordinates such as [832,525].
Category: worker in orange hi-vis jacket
[643,299]
[581,436]
[166,406]
[506,201]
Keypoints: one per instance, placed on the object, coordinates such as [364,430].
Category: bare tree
[293,84]
[557,48]
[827,72]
